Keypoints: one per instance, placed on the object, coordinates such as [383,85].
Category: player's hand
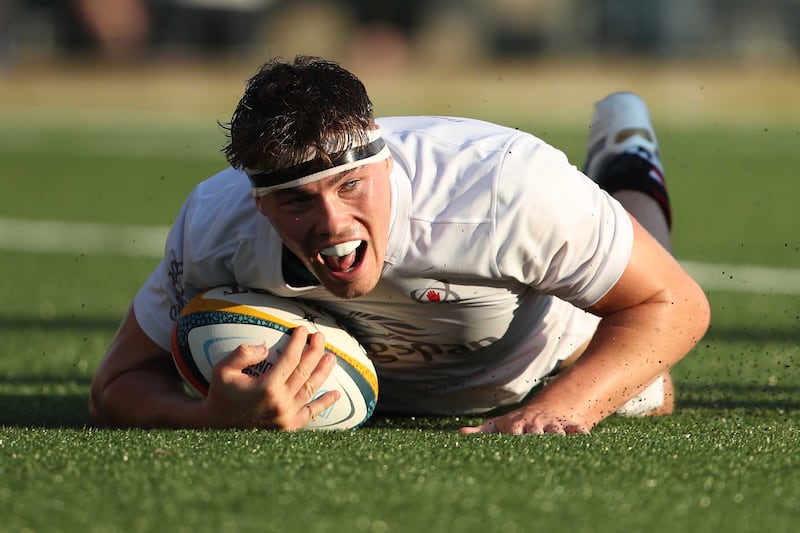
[280,398]
[529,420]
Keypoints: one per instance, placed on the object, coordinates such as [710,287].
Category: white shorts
[650,398]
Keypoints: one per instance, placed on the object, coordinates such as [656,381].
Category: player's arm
[652,317]
[136,385]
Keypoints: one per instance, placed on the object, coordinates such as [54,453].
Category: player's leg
[623,158]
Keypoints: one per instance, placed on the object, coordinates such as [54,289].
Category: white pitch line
[745,278]
[39,236]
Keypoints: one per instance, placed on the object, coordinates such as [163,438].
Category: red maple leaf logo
[433,296]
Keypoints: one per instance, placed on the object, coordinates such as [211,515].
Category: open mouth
[345,256]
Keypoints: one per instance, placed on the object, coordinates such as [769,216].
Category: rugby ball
[215,323]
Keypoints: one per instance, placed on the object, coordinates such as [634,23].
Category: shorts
[649,399]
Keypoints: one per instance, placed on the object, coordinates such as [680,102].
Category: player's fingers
[287,361]
[313,369]
[490,426]
[553,428]
[564,426]
[576,429]
[521,426]
[312,409]
[247,355]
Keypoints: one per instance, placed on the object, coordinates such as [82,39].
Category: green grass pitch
[727,461]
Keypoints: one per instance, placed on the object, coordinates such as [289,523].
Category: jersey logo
[175,276]
[440,291]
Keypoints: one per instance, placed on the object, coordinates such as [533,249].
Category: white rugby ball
[215,323]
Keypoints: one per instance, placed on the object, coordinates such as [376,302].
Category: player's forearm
[145,398]
[630,349]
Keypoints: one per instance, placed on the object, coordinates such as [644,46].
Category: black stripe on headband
[279,177]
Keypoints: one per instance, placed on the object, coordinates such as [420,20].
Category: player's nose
[331,216]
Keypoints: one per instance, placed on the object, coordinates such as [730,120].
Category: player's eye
[349,185]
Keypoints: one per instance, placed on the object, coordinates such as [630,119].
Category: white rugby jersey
[496,242]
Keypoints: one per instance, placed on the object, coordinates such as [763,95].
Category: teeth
[341,249]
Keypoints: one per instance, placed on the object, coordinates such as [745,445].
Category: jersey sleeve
[161,298]
[212,230]
[556,230]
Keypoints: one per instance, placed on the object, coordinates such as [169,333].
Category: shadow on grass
[738,396]
[61,323]
[44,400]
[44,380]
[45,410]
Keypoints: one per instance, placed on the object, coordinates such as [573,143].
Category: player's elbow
[97,403]
[693,312]
[104,399]
[95,412]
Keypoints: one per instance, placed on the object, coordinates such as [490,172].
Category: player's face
[337,226]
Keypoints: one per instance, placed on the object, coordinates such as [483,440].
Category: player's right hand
[280,398]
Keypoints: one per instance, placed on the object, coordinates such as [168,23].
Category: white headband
[314,169]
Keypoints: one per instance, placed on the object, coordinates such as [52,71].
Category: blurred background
[719,59]
[564,49]
[399,31]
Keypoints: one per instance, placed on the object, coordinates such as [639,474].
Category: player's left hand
[529,420]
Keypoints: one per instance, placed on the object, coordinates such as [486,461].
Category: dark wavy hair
[291,107]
